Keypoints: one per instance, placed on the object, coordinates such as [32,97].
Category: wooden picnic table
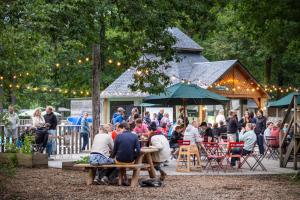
[144,157]
[144,161]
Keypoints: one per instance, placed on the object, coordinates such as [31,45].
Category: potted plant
[27,158]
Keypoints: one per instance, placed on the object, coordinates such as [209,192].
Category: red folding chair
[215,156]
[235,150]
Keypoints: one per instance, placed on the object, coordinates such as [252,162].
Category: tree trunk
[96,90]
[13,93]
[280,80]
[1,99]
[268,70]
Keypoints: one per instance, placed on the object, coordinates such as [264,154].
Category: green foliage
[27,145]
[11,148]
[83,160]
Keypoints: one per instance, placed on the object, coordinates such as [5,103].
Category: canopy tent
[188,94]
[284,101]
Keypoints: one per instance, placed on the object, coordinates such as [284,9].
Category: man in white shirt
[100,155]
[192,133]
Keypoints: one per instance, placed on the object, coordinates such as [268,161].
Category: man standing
[84,131]
[11,125]
[51,120]
[160,115]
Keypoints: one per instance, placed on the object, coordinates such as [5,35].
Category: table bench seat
[92,170]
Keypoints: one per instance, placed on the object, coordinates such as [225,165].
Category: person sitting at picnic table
[176,135]
[159,141]
[100,155]
[115,132]
[208,135]
[268,130]
[140,128]
[126,149]
[275,132]
[119,116]
[249,137]
[192,133]
[164,129]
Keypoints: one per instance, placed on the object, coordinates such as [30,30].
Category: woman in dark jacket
[259,130]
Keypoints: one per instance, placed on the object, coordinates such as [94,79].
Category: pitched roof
[184,42]
[193,67]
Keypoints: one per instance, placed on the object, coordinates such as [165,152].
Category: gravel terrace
[63,184]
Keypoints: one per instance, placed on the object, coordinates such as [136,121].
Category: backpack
[151,183]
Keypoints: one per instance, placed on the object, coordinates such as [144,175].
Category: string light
[79,61]
[118,63]
[14,76]
[110,61]
[87,59]
[57,65]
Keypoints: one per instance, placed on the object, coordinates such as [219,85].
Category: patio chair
[215,157]
[235,150]
[258,160]
[272,144]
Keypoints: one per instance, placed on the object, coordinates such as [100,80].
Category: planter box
[8,158]
[32,160]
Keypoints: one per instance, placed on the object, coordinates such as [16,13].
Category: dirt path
[58,184]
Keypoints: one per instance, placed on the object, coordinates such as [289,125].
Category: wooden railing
[67,138]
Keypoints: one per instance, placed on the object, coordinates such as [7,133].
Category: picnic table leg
[90,176]
[136,172]
[151,170]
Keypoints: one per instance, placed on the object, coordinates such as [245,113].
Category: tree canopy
[46,45]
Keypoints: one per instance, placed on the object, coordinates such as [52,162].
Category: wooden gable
[238,83]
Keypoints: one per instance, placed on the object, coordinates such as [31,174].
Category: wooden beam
[295,131]
[288,153]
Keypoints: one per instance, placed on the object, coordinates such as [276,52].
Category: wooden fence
[67,138]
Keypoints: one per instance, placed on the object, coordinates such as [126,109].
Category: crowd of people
[127,135]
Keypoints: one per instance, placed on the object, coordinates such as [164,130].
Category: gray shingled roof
[192,67]
[184,42]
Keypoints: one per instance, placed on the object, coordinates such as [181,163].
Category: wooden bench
[92,171]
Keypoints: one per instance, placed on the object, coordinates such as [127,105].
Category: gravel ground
[62,184]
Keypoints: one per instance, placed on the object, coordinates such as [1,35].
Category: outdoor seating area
[149,99]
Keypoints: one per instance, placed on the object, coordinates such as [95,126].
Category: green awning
[188,94]
[284,101]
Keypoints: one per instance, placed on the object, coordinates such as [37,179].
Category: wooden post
[90,176]
[96,89]
[295,131]
[59,140]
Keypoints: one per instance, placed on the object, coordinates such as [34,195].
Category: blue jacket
[126,147]
[117,118]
